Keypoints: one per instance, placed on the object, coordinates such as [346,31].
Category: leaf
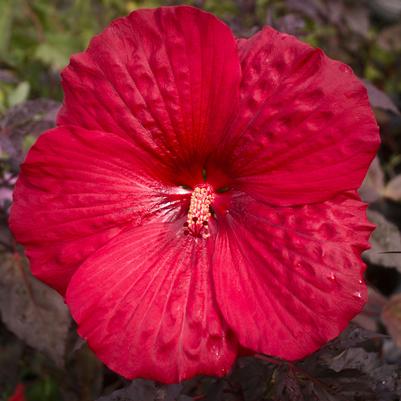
[8,76]
[393,189]
[385,238]
[6,17]
[313,9]
[290,23]
[30,118]
[254,376]
[379,99]
[388,9]
[288,387]
[348,385]
[19,94]
[43,390]
[349,368]
[6,185]
[373,184]
[51,55]
[353,368]
[55,51]
[11,350]
[388,38]
[32,311]
[353,358]
[357,19]
[370,317]
[146,390]
[215,391]
[85,376]
[352,336]
[380,377]
[334,11]
[391,317]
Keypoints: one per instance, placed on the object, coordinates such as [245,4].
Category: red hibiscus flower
[198,196]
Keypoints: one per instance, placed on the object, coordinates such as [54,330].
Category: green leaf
[51,55]
[6,16]
[19,94]
[44,390]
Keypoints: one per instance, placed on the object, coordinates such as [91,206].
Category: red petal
[305,130]
[144,303]
[289,279]
[76,190]
[158,76]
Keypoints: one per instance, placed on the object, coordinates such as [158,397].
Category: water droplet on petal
[357,294]
[333,282]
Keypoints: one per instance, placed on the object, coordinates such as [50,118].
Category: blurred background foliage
[37,38]
[38,344]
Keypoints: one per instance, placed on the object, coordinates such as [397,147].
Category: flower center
[199,211]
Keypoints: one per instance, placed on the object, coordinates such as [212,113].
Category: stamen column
[199,211]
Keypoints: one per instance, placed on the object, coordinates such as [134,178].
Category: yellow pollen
[199,211]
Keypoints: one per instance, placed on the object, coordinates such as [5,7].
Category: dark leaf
[389,38]
[388,9]
[350,368]
[32,311]
[288,385]
[334,11]
[352,336]
[392,318]
[353,358]
[6,238]
[325,385]
[346,385]
[290,23]
[393,189]
[353,368]
[357,19]
[22,124]
[10,354]
[373,183]
[84,379]
[254,376]
[385,238]
[380,378]
[370,317]
[313,9]
[379,99]
[215,391]
[146,390]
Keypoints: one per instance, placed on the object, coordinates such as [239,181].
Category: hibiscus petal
[76,190]
[305,130]
[168,78]
[145,304]
[289,279]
